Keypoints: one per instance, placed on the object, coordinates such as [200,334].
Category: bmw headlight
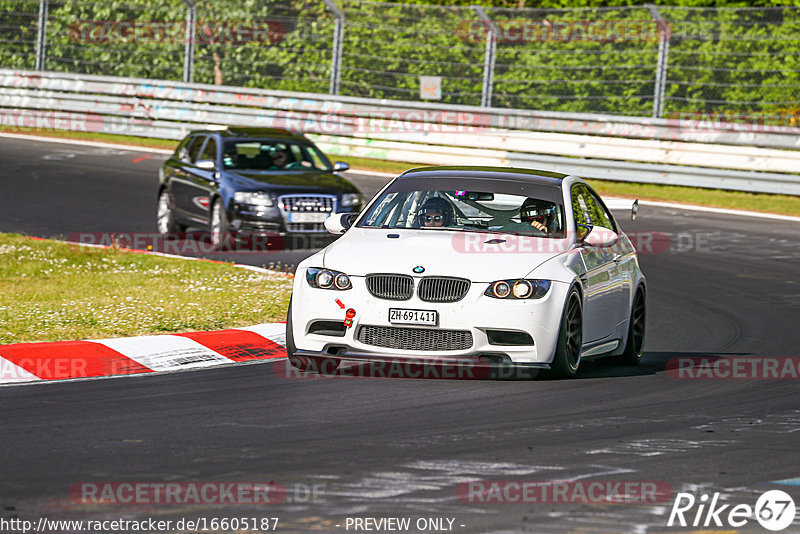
[518,289]
[350,199]
[327,279]
[253,198]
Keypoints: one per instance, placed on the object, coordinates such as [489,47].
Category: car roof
[243,132]
[532,176]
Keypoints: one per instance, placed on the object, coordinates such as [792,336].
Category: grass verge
[51,291]
[718,198]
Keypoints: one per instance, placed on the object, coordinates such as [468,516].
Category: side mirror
[206,164]
[338,223]
[601,237]
[340,166]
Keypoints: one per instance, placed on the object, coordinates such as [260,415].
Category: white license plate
[307,217]
[426,317]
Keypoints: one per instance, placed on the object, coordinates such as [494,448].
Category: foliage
[736,59]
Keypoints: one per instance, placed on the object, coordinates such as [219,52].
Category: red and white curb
[36,362]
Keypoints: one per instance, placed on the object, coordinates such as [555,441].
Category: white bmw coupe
[510,267]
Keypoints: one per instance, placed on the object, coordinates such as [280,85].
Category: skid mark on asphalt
[783,423]
[657,447]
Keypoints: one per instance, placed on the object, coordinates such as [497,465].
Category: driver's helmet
[541,211]
[438,205]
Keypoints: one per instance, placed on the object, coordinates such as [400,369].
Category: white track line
[45,139]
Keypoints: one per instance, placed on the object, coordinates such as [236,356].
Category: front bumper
[487,359]
[475,313]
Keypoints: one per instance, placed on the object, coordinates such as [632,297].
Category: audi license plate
[426,317]
[313,217]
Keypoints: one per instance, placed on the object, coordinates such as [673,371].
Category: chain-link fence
[741,63]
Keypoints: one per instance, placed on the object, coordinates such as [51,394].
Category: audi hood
[291,182]
[478,256]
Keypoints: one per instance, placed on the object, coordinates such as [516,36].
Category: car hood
[480,257]
[294,181]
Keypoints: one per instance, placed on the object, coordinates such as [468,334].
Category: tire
[314,364]
[221,238]
[634,346]
[567,359]
[165,217]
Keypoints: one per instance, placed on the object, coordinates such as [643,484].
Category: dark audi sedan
[243,182]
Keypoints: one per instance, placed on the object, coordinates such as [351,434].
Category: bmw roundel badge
[418,269]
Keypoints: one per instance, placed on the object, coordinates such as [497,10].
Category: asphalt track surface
[726,286]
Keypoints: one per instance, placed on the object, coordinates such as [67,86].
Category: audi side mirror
[206,164]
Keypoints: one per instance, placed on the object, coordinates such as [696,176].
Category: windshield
[272,155]
[463,210]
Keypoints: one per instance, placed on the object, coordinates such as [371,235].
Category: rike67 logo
[774,510]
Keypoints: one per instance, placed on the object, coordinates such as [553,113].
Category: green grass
[737,200]
[718,198]
[51,291]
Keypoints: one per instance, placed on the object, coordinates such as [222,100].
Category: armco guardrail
[595,146]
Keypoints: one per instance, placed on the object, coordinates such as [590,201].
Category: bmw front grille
[390,286]
[429,289]
[442,289]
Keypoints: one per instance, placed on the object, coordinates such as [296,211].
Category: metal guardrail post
[188,53]
[41,35]
[338,43]
[664,34]
[488,58]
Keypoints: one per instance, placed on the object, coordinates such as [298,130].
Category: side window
[600,215]
[589,210]
[210,151]
[580,209]
[297,152]
[193,149]
[316,159]
[180,151]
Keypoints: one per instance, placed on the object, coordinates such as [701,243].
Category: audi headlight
[254,198]
[327,279]
[350,199]
[518,289]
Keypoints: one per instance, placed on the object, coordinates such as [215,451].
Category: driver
[539,214]
[279,157]
[436,212]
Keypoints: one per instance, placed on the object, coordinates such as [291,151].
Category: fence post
[488,57]
[188,51]
[338,43]
[41,35]
[664,34]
